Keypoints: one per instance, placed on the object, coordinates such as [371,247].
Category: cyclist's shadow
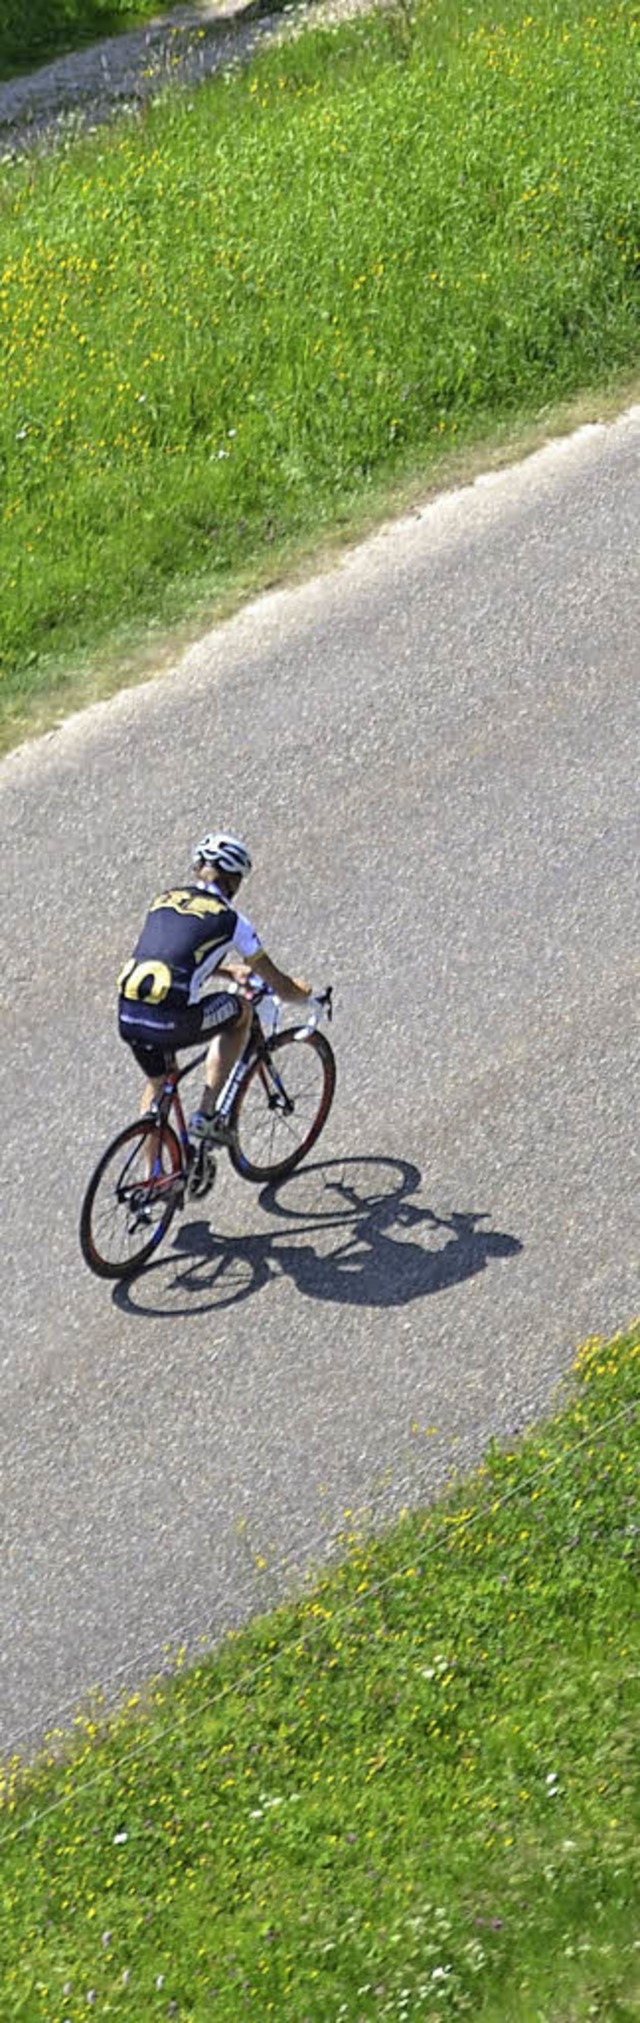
[350,1234]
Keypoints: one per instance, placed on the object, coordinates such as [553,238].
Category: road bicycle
[269,1113]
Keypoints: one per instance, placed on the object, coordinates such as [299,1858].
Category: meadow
[227,323]
[410,1793]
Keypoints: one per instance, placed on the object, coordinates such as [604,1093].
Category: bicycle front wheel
[282,1106]
[131,1199]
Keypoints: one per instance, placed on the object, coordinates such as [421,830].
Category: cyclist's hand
[238,969]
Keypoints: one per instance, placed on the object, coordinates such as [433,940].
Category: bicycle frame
[169,1100]
[256,1048]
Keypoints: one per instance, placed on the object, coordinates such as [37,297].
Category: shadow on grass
[348,1232]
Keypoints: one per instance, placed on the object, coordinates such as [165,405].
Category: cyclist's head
[225,856]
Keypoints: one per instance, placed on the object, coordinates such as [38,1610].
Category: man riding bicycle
[267,1093]
[186,939]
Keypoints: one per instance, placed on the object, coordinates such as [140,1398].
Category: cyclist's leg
[151,1046]
[231,1018]
[153,1061]
[152,1031]
[151,1090]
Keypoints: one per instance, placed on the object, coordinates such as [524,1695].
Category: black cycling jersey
[185,937]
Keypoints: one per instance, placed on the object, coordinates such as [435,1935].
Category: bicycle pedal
[222,1133]
[199,1188]
[202,1173]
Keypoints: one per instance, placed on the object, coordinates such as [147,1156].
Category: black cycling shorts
[154,1032]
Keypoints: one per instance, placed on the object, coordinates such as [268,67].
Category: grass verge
[42,29]
[409,1794]
[225,324]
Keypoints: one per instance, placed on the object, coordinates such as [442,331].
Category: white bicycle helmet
[227,852]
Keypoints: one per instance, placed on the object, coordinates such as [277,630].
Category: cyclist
[186,943]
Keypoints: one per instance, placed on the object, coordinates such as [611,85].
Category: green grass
[223,325]
[409,1794]
[31,31]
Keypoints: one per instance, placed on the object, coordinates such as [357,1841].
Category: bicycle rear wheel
[282,1106]
[131,1199]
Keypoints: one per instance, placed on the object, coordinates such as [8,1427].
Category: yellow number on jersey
[145,982]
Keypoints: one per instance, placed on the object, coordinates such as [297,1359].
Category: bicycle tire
[268,1120]
[93,1224]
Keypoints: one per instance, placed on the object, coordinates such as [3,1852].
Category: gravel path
[81,90]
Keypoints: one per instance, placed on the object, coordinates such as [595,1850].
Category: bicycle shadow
[351,1236]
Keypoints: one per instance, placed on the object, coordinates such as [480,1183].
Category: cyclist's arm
[292,987]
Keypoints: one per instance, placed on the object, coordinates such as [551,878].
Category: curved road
[434,752]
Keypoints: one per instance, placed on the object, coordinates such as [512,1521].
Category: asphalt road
[434,753]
